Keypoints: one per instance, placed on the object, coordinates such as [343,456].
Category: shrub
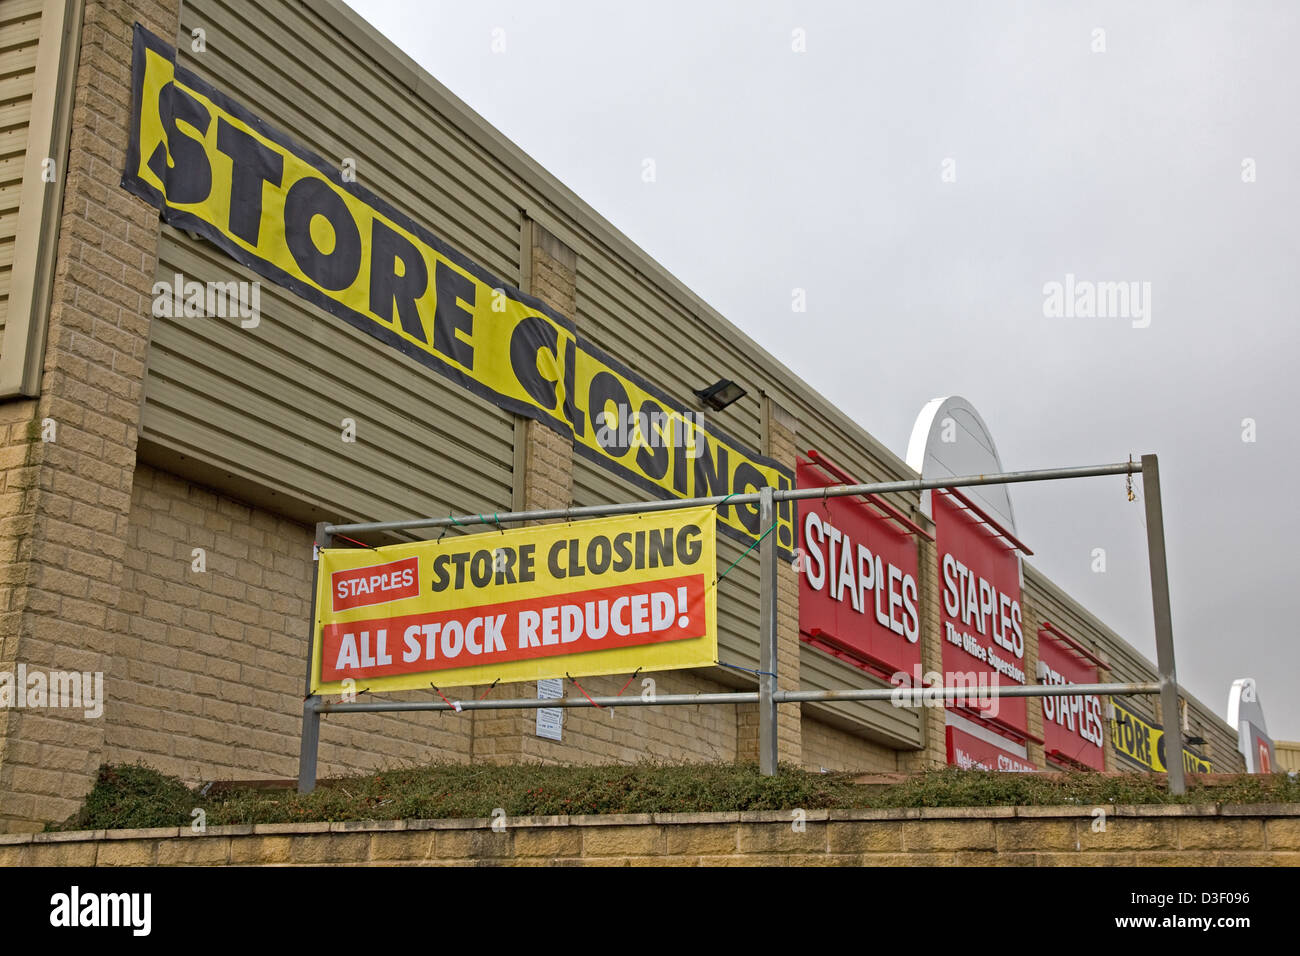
[137,796]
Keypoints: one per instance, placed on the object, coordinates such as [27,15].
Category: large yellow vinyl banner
[605,596]
[215,169]
[1144,743]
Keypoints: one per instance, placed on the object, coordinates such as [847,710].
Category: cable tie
[748,670]
[584,693]
[629,680]
[756,543]
[453,704]
[452,518]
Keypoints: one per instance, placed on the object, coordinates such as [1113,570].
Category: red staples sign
[858,587]
[1072,726]
[376,584]
[979,606]
[971,753]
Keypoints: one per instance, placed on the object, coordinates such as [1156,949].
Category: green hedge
[138,796]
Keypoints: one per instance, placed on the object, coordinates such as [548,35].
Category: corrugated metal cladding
[20,30]
[1287,753]
[259,410]
[266,405]
[1128,666]
[627,316]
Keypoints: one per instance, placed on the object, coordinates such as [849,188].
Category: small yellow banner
[605,596]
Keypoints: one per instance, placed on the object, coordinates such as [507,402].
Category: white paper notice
[550,720]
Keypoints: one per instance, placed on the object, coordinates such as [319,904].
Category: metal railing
[768,696]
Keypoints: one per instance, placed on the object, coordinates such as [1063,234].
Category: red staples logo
[377,584]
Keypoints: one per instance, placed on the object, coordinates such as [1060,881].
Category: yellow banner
[606,596]
[215,169]
[1144,743]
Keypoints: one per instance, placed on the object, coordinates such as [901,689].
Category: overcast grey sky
[824,170]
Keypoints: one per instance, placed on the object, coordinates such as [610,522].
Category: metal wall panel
[1288,755]
[259,410]
[626,316]
[301,73]
[20,30]
[266,405]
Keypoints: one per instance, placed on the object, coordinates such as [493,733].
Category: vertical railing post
[767,747]
[310,744]
[1164,625]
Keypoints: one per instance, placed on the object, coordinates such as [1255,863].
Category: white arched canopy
[951,439]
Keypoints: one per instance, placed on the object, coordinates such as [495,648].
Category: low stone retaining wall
[1241,835]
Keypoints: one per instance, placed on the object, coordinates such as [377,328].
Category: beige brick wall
[19,458]
[689,734]
[934,753]
[999,836]
[68,500]
[206,681]
[782,445]
[1030,622]
[747,733]
[826,747]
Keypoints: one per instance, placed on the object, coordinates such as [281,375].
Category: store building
[259,270]
[1288,755]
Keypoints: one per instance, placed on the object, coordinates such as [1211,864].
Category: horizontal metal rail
[788,494]
[768,696]
[968,693]
[542,703]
